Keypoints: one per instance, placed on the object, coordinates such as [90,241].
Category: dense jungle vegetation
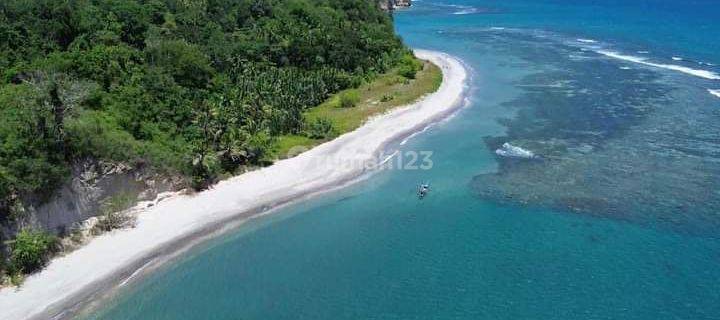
[191,87]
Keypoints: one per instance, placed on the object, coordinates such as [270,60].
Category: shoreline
[71,283]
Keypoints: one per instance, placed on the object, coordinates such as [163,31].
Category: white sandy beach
[172,219]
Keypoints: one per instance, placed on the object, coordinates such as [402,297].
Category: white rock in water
[509,150]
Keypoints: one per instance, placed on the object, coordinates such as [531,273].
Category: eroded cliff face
[92,185]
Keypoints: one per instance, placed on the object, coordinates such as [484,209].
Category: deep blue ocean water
[616,217]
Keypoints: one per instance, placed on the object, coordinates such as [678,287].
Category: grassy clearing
[388,91]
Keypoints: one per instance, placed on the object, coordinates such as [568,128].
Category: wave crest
[466,10]
[586,40]
[640,60]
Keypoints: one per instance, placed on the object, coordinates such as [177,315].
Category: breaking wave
[586,40]
[416,133]
[511,151]
[695,72]
[464,9]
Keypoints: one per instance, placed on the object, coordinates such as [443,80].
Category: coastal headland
[72,282]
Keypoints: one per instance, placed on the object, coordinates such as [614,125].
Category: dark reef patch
[627,144]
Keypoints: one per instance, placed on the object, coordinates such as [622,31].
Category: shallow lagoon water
[495,238]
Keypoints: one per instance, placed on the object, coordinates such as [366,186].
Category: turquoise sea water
[616,217]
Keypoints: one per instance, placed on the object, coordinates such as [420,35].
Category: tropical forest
[191,88]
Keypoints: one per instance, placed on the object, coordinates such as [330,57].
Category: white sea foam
[462,9]
[695,72]
[390,157]
[512,151]
[625,68]
[497,28]
[586,40]
[578,57]
[677,58]
[715,92]
[466,10]
[135,273]
[643,52]
[402,143]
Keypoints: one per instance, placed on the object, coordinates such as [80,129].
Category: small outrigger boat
[423,189]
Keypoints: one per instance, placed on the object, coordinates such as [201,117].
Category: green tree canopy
[195,87]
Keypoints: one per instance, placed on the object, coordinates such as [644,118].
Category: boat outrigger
[423,189]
